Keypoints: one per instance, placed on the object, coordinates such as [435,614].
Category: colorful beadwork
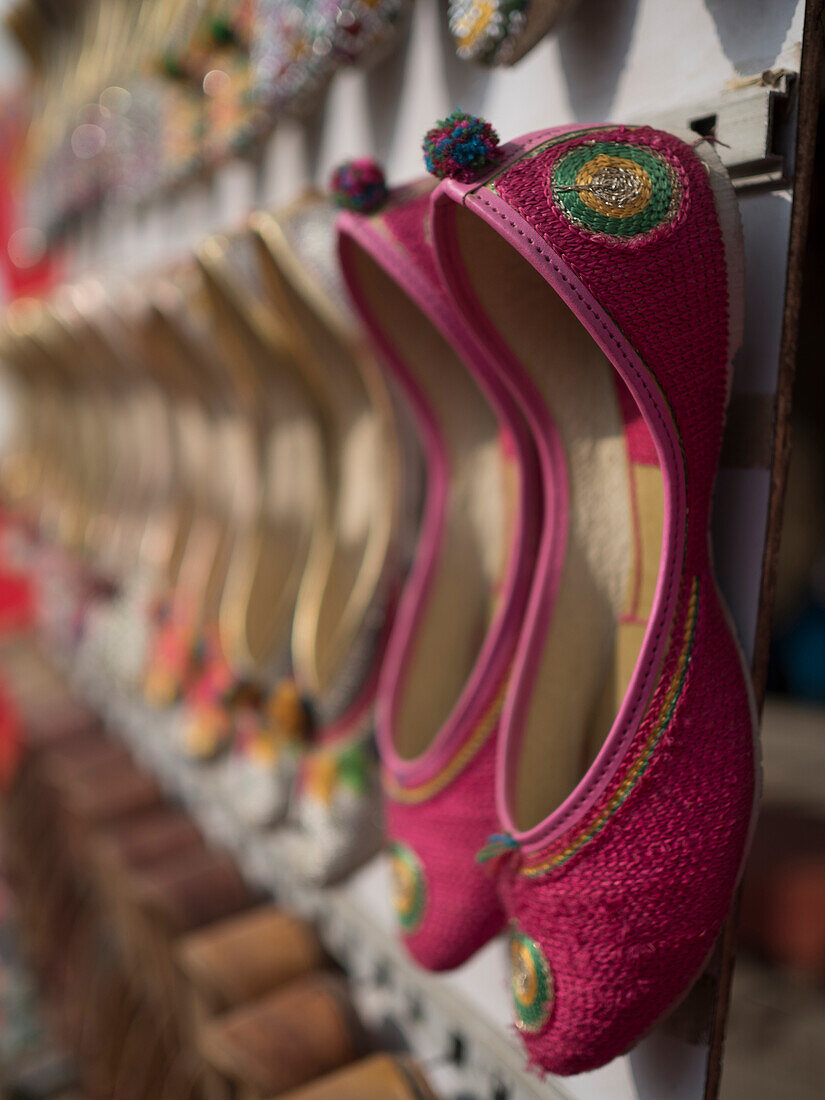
[460,146]
[336,767]
[268,730]
[487,31]
[362,31]
[616,188]
[409,889]
[531,983]
[287,712]
[359,185]
[291,53]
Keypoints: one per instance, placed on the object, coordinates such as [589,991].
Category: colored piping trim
[642,761]
[468,750]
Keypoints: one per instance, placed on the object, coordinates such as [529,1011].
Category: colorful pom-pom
[460,146]
[359,185]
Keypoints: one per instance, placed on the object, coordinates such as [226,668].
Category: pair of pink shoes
[562,676]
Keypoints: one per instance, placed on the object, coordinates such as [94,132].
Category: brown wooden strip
[748,440]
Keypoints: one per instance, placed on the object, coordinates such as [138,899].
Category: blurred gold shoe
[281,489]
[350,578]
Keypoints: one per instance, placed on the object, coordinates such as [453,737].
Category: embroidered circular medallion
[615,188]
[531,982]
[409,890]
[487,30]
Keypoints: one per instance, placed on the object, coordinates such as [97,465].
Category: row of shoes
[228,463]
[135,97]
[476,517]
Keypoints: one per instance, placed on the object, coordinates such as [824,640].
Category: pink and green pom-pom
[460,146]
[359,185]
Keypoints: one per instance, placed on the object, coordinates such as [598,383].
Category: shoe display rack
[723,71]
[744,77]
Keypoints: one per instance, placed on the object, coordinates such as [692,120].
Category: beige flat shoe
[281,487]
[349,580]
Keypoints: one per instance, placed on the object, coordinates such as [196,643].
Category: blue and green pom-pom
[460,146]
[359,185]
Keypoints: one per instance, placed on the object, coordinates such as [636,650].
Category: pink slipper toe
[453,639]
[602,266]
[445,903]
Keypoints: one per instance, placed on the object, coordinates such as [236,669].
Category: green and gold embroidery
[642,760]
[531,983]
[616,188]
[474,743]
[409,889]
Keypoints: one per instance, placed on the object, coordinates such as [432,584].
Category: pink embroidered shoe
[603,269]
[454,636]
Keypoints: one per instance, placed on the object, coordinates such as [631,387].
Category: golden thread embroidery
[614,186]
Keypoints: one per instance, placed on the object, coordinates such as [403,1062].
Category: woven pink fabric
[624,888]
[628,922]
[440,807]
[461,909]
[666,293]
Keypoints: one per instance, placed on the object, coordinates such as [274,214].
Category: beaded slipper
[501,32]
[297,47]
[290,75]
[452,644]
[603,267]
[365,31]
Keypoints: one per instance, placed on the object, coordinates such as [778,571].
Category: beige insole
[129,477]
[181,332]
[184,517]
[161,519]
[601,608]
[234,490]
[203,558]
[268,562]
[477,529]
[347,559]
[225,460]
[282,477]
